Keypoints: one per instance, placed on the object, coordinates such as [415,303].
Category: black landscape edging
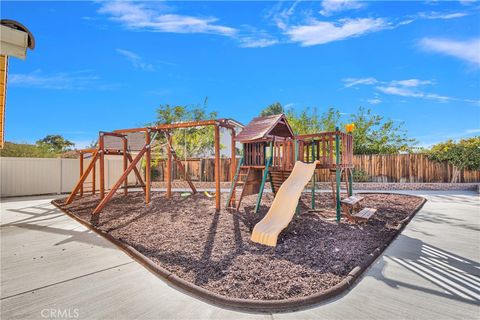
[248,304]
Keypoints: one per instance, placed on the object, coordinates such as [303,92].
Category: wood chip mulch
[213,249]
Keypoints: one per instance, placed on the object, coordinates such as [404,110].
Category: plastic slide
[284,205]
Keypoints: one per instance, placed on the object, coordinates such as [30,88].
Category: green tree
[25,150]
[55,143]
[309,121]
[463,155]
[274,108]
[374,134]
[188,141]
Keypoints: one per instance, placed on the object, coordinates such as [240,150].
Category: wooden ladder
[242,180]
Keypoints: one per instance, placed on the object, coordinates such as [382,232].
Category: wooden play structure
[270,150]
[135,144]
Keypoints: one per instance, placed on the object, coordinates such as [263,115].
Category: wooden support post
[217,167]
[338,173]
[125,164]
[137,173]
[168,173]
[94,176]
[101,150]
[350,182]
[182,169]
[233,164]
[148,171]
[313,176]
[296,150]
[81,173]
[82,178]
[119,182]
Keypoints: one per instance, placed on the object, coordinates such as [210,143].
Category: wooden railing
[254,154]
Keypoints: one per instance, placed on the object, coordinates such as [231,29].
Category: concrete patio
[53,267]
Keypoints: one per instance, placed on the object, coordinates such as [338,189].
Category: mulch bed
[213,249]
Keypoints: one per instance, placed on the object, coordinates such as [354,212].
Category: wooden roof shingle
[267,127]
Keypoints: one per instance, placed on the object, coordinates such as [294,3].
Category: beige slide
[284,205]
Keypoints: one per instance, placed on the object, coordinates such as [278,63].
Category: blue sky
[108,65]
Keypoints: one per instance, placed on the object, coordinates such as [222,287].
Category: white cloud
[468,50]
[143,16]
[470,131]
[442,15]
[408,92]
[140,16]
[467,2]
[352,82]
[251,37]
[59,81]
[330,7]
[374,101]
[252,42]
[410,88]
[321,32]
[136,61]
[281,16]
[411,82]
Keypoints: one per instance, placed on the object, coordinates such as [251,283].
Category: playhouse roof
[266,128]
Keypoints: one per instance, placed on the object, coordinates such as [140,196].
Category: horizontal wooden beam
[188,124]
[87,150]
[113,134]
[319,135]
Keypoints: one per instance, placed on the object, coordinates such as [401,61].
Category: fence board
[30,176]
[379,168]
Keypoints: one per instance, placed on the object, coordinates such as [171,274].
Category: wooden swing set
[125,141]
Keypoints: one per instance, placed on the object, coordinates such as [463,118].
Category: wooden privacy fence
[409,168]
[375,168]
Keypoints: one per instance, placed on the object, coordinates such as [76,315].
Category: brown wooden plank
[114,189]
[125,164]
[217,168]
[81,173]
[82,179]
[102,164]
[148,169]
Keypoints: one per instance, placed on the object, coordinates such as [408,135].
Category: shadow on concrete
[38,214]
[456,277]
[440,218]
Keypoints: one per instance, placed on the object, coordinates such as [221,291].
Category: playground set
[272,154]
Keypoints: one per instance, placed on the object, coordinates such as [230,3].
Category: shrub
[359,175]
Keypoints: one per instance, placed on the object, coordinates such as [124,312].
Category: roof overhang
[15,39]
